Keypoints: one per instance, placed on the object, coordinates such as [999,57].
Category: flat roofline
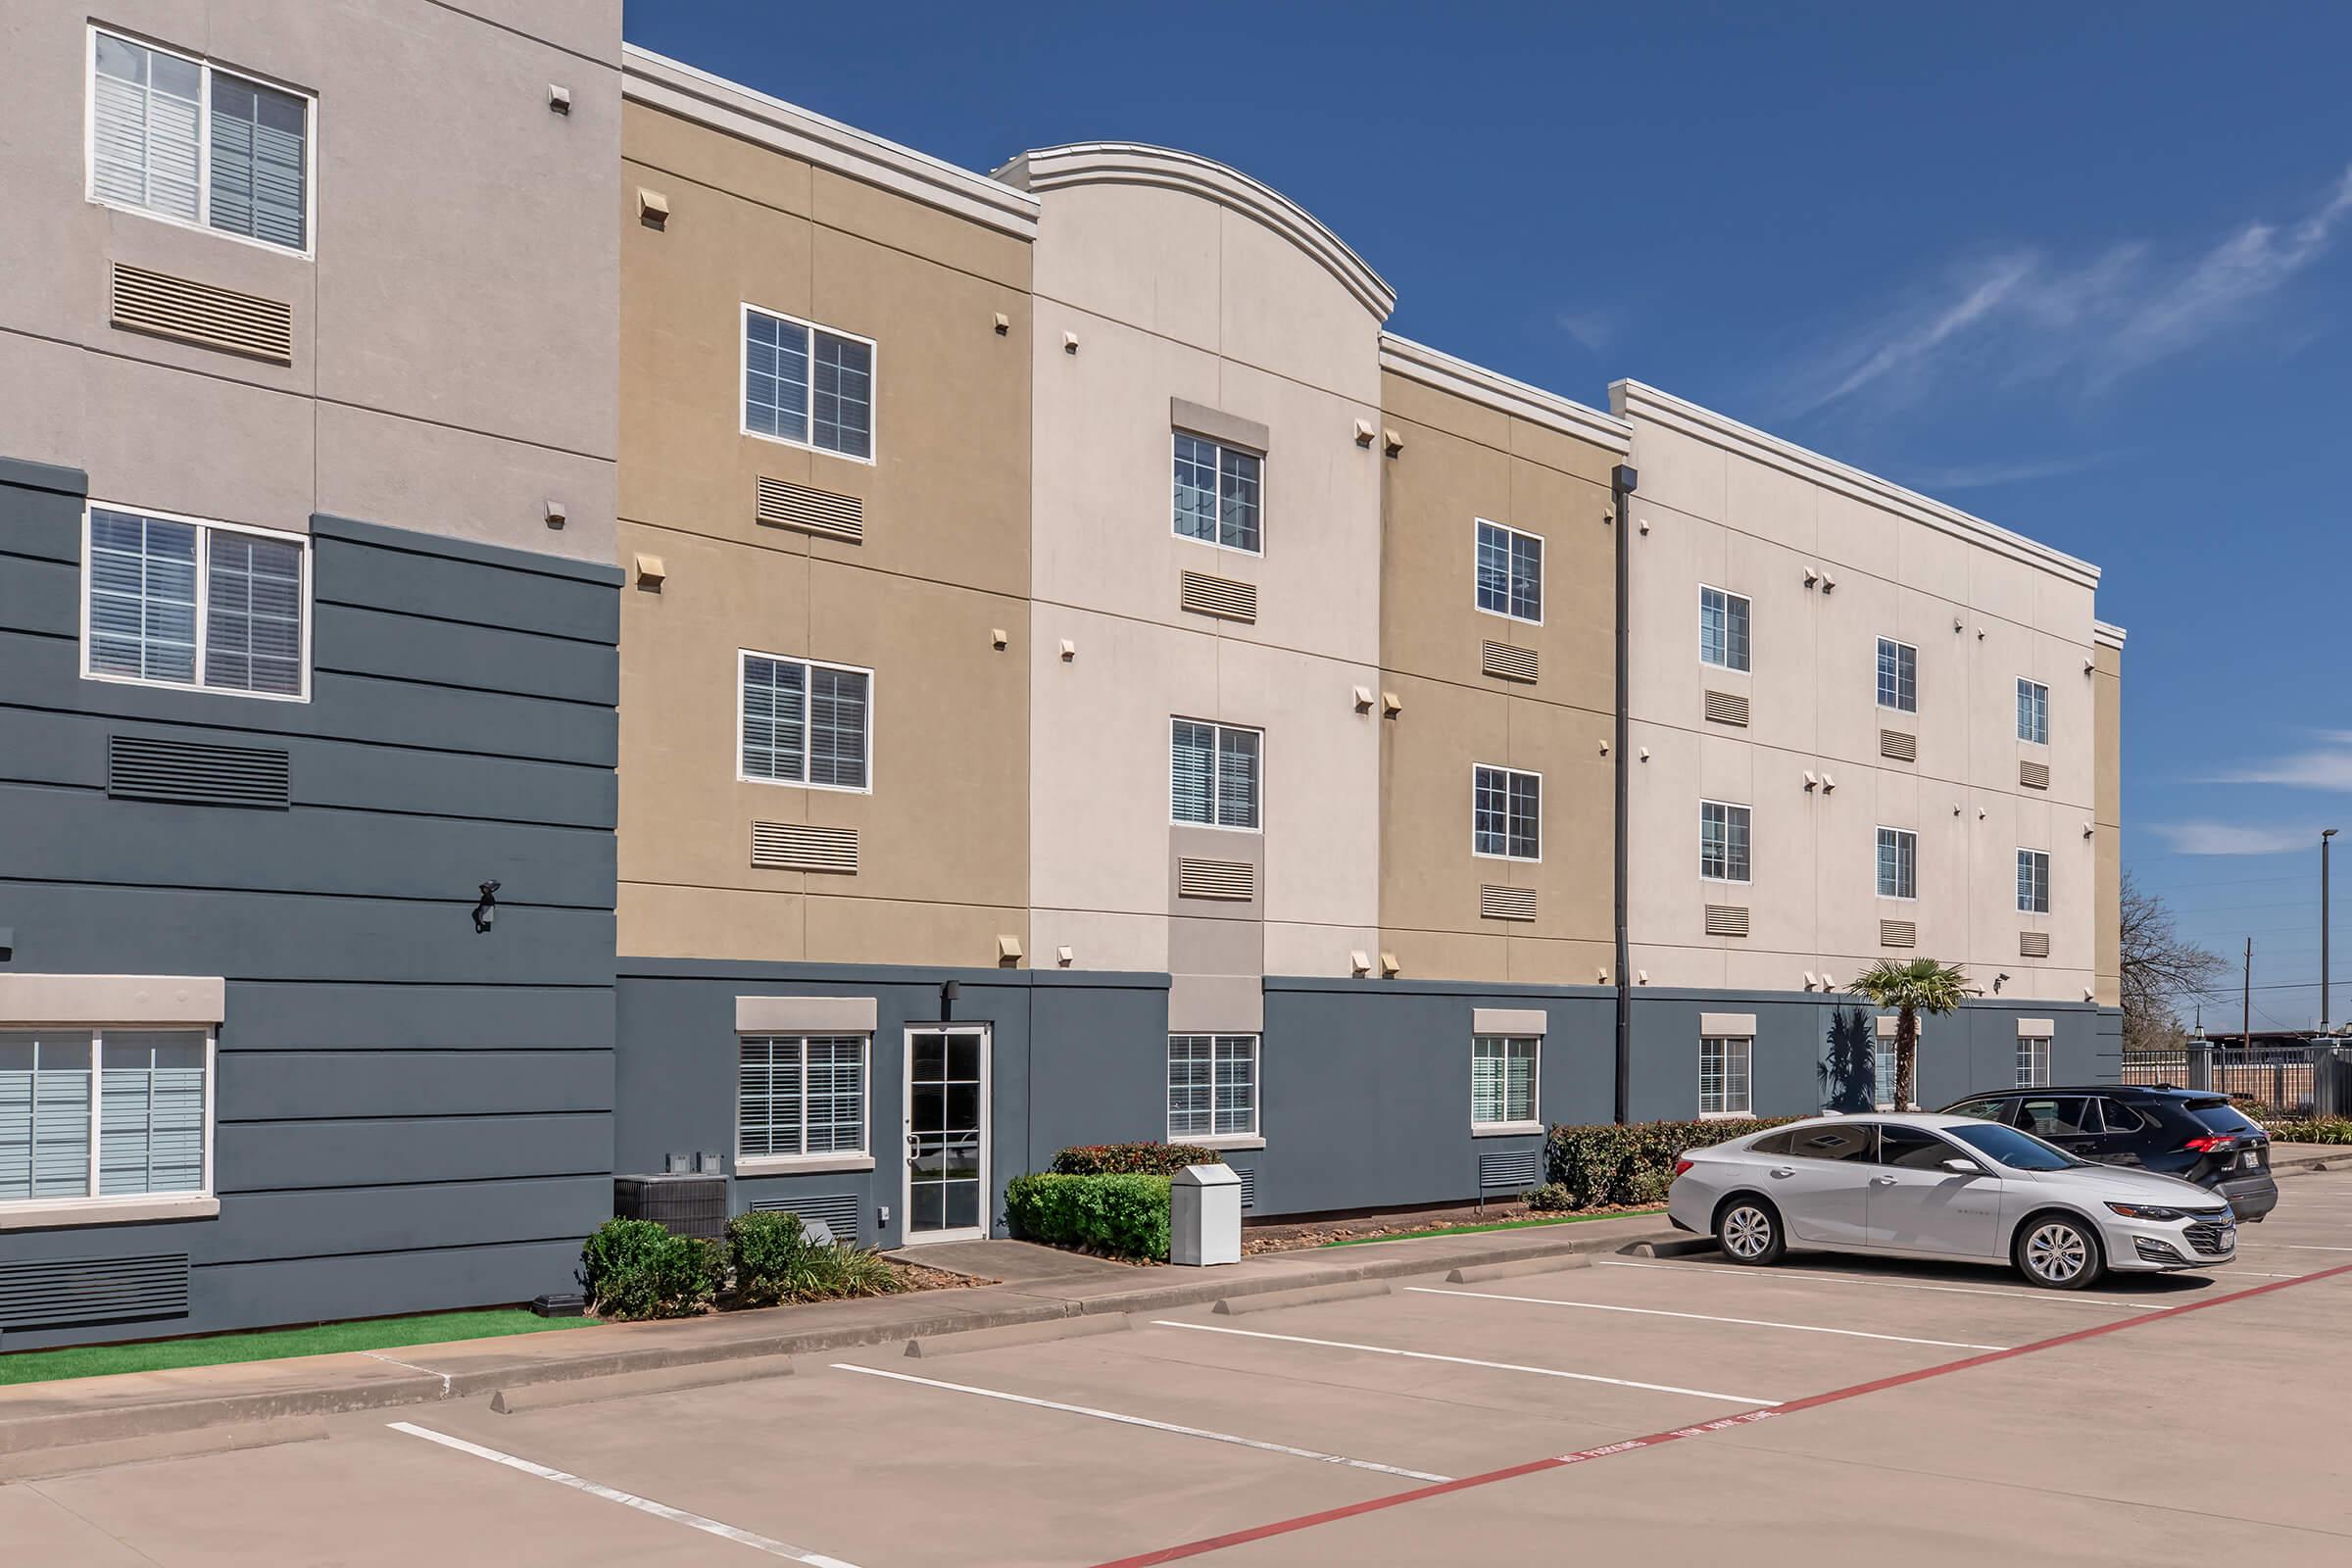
[675,88]
[2107,634]
[1446,372]
[1629,398]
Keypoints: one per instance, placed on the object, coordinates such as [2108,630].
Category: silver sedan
[1945,1187]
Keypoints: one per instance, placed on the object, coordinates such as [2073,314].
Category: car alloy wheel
[1748,1233]
[2057,1252]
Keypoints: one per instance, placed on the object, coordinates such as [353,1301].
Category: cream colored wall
[454,362]
[1718,517]
[2108,704]
[942,834]
[1173,295]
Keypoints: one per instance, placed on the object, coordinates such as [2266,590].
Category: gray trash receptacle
[1205,1215]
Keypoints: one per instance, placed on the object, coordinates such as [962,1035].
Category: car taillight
[2210,1144]
[1682,1165]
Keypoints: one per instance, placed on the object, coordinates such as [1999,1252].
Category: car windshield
[2008,1147]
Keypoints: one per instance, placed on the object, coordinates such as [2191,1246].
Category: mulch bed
[1257,1239]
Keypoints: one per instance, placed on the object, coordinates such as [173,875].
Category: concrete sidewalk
[110,1410]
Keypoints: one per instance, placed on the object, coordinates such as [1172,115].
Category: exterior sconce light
[948,991]
[1812,781]
[653,208]
[1364,432]
[1811,979]
[1363,698]
[1390,703]
[1070,649]
[486,911]
[555,513]
[1811,576]
[1392,443]
[1829,584]
[997,637]
[1004,324]
[1360,962]
[1065,955]
[1998,981]
[1827,784]
[559,99]
[1069,342]
[1390,968]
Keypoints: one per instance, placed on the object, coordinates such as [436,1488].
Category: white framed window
[1213,1087]
[1898,675]
[1722,629]
[801,1097]
[808,385]
[1510,573]
[2033,881]
[2033,712]
[1506,814]
[2033,1061]
[1883,1094]
[89,1115]
[1724,1081]
[1722,831]
[174,136]
[186,602]
[1219,493]
[804,722]
[1503,1080]
[1898,864]
[1215,773]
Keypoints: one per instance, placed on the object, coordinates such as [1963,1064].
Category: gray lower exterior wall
[409,1115]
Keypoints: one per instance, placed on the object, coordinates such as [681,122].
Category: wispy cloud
[2230,838]
[1985,475]
[2316,769]
[1594,330]
[2026,315]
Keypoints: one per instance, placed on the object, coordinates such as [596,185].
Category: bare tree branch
[2160,968]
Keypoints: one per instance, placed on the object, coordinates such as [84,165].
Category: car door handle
[1882,1181]
[1783,1170]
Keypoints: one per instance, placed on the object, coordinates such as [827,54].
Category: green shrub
[1132,1160]
[1124,1216]
[1550,1199]
[774,1260]
[2312,1130]
[1610,1165]
[635,1268]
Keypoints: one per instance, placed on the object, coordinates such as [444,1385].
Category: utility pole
[2325,834]
[2246,1034]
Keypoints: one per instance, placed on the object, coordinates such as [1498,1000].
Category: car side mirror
[1963,1167]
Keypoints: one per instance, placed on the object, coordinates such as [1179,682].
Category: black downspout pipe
[1622,483]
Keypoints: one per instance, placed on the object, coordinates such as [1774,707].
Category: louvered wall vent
[782,503]
[2034,775]
[1514,1172]
[1506,903]
[840,1211]
[1233,880]
[1898,933]
[1727,919]
[190,312]
[1248,1187]
[798,847]
[192,773]
[1727,708]
[1511,663]
[2032,944]
[93,1289]
[1221,596]
[1899,745]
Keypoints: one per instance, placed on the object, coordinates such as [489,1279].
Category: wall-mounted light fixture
[1998,981]
[1364,433]
[559,99]
[1359,961]
[1069,342]
[1392,443]
[1004,324]
[556,513]
[486,911]
[653,208]
[948,991]
[1390,968]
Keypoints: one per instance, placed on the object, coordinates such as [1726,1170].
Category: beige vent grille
[1726,707]
[1898,933]
[2034,775]
[2032,944]
[1895,743]
[1511,663]
[1727,919]
[200,312]
[1235,881]
[800,847]
[1506,903]
[1221,596]
[782,503]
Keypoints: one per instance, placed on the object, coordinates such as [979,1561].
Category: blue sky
[2083,270]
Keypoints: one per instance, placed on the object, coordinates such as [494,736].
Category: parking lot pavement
[1841,1405]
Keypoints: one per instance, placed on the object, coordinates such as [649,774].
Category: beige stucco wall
[451,376]
[943,833]
[1981,613]
[2108,705]
[1463,461]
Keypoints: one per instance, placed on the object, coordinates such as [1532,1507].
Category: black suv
[2194,1134]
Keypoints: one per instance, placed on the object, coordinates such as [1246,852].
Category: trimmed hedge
[1123,1215]
[1132,1160]
[635,1268]
[775,1261]
[1634,1164]
[2308,1130]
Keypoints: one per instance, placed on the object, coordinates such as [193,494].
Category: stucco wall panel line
[1365,408]
[800,546]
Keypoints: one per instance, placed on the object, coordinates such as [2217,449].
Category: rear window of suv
[2220,1116]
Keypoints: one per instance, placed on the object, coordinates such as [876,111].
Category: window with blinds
[2033,1061]
[804,722]
[800,1094]
[1898,675]
[808,385]
[1722,832]
[175,602]
[1722,629]
[182,138]
[1218,493]
[88,1114]
[1898,864]
[1503,1080]
[1506,814]
[1212,1085]
[1724,1081]
[1510,573]
[2033,881]
[2033,712]
[1215,773]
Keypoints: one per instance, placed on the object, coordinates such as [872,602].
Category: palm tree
[1920,985]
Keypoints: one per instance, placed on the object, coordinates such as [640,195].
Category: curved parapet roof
[1093,163]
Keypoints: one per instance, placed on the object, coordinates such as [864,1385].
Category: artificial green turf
[381,1334]
[1499,1225]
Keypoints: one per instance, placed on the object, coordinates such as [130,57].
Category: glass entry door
[946,1133]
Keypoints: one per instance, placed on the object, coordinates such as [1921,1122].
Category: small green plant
[635,1268]
[774,1260]
[1123,1215]
[1552,1198]
[1132,1160]
[2312,1130]
[1611,1164]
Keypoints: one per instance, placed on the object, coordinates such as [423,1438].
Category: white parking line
[1143,1421]
[1704,1317]
[2306,1246]
[1463,1360]
[627,1499]
[1760,1276]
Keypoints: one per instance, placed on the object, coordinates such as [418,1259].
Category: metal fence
[2305,1079]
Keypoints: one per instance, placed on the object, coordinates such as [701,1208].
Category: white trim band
[2035,1029]
[121,999]
[1728,1025]
[1509,1020]
[805,1016]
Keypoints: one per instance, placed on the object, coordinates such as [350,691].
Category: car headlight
[2145,1211]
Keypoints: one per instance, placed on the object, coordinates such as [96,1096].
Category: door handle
[1882,1181]
[1783,1170]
